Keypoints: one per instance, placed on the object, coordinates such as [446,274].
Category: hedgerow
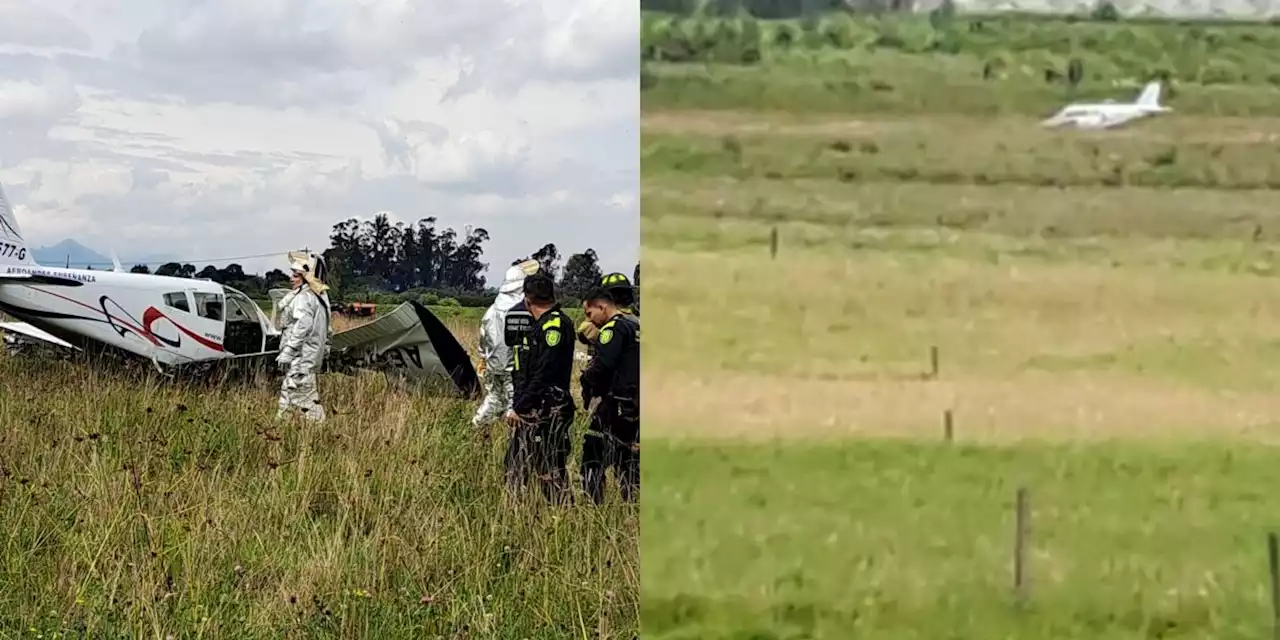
[1100,47]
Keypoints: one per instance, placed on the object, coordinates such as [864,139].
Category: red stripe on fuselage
[152,314]
[140,331]
[147,319]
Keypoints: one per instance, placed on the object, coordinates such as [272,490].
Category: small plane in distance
[1109,114]
[179,322]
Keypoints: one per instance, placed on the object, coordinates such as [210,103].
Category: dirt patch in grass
[1173,128]
[717,123]
[1041,406]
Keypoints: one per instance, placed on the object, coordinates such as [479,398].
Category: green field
[910,540]
[134,509]
[1105,309]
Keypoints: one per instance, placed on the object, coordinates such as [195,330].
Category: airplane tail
[13,248]
[1150,96]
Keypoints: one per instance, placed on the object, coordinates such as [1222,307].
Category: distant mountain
[82,256]
[70,251]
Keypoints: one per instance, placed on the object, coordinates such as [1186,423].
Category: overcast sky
[220,128]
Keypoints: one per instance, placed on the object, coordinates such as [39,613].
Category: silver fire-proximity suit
[304,320]
[494,352]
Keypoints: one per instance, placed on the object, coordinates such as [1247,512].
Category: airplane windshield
[240,309]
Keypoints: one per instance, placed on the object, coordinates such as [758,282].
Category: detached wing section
[410,340]
[24,329]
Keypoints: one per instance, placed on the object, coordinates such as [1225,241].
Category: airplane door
[207,319]
[244,332]
[185,324]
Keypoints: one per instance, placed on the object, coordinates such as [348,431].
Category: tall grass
[135,508]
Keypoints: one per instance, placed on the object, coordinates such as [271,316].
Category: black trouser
[612,440]
[542,446]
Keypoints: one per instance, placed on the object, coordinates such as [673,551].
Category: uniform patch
[606,336]
[553,337]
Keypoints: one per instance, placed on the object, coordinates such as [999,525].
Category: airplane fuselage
[169,320]
[1100,116]
[179,321]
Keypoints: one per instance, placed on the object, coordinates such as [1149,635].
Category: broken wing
[410,341]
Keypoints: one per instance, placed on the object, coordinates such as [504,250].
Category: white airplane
[1105,115]
[177,322]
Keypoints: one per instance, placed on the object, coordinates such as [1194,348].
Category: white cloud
[33,24]
[23,101]
[205,128]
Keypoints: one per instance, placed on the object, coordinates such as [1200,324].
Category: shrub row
[426,297]
[1248,53]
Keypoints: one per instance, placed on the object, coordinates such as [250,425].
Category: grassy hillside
[1103,305]
[1112,350]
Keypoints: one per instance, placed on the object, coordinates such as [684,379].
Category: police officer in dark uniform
[624,294]
[516,323]
[613,438]
[542,411]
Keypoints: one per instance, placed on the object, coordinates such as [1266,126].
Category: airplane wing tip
[24,329]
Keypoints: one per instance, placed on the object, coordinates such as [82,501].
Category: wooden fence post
[1022,524]
[1273,557]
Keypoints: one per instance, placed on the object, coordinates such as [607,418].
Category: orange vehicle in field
[359,309]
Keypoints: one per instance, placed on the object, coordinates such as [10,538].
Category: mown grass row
[914,85]
[977,156]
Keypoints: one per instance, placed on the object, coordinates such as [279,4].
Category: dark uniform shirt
[520,347]
[615,369]
[545,364]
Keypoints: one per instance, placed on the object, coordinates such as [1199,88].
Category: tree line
[1102,10]
[774,9]
[379,261]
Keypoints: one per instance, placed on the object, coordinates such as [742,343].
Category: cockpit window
[209,305]
[177,300]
